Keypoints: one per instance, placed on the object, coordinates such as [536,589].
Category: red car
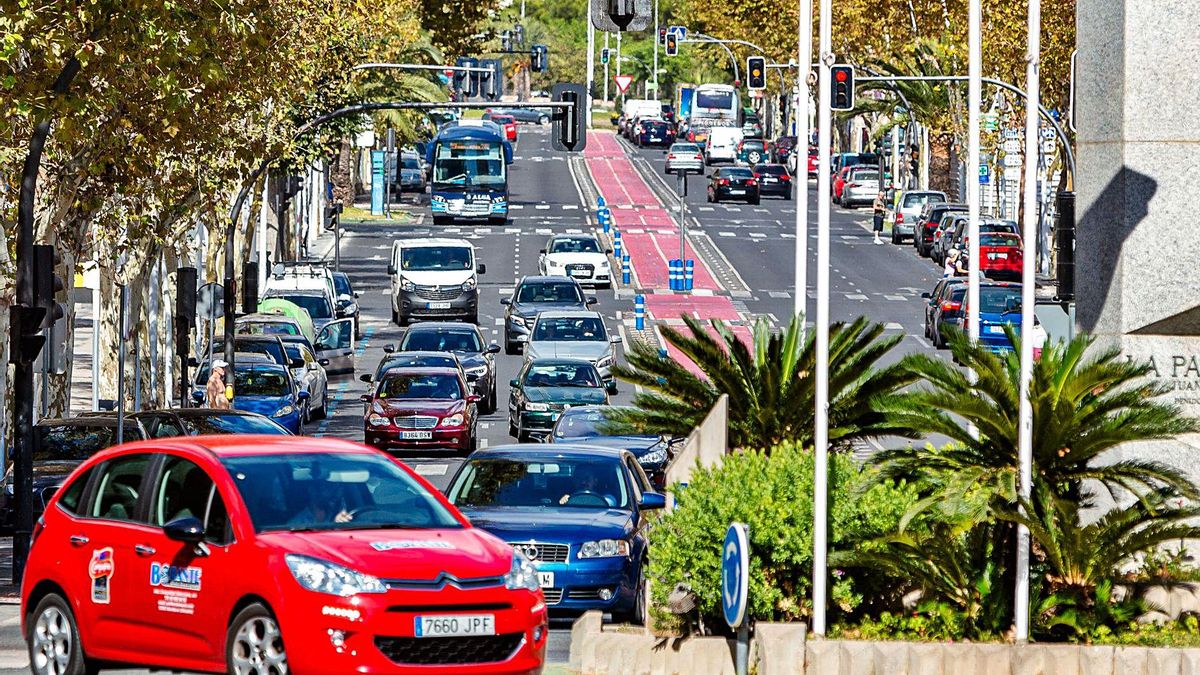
[839,183]
[508,123]
[814,164]
[270,554]
[1000,255]
[417,408]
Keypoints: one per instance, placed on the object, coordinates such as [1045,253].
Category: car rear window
[922,198]
[738,173]
[999,240]
[998,298]
[446,340]
[71,442]
[771,169]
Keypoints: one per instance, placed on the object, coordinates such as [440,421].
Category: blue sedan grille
[546,553]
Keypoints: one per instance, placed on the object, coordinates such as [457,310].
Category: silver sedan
[685,157]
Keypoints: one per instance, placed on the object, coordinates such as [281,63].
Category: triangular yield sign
[623,82]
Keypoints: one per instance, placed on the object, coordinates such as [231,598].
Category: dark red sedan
[418,408]
[1000,255]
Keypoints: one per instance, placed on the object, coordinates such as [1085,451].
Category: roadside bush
[772,493]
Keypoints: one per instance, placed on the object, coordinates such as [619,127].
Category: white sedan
[685,157]
[578,256]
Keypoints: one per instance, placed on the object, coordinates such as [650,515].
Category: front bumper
[577,584]
[378,635]
[390,438]
[538,423]
[466,305]
[461,209]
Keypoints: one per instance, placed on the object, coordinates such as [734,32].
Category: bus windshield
[470,163]
[714,99]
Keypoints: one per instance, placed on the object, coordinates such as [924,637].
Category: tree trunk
[58,384]
[341,175]
[941,164]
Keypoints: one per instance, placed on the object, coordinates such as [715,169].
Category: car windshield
[582,424]
[549,292]
[996,299]
[420,385]
[432,258]
[562,375]
[442,341]
[737,173]
[410,163]
[584,328]
[74,442]
[261,381]
[558,483]
[771,169]
[267,328]
[336,491]
[714,99]
[999,240]
[229,423]
[341,284]
[317,306]
[574,245]
[1005,226]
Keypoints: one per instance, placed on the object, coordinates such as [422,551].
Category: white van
[722,144]
[434,278]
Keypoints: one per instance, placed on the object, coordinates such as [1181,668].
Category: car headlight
[522,574]
[604,548]
[469,284]
[653,458]
[499,199]
[452,421]
[537,407]
[285,410]
[605,361]
[406,285]
[518,321]
[604,263]
[476,370]
[377,420]
[322,576]
[553,263]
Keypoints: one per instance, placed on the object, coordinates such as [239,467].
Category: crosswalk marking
[726,234]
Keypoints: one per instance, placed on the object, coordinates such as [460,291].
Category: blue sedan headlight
[653,458]
[284,411]
[604,548]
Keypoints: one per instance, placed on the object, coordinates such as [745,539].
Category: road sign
[989,121]
[623,82]
[1012,146]
[985,175]
[210,300]
[1012,159]
[681,31]
[735,574]
[1012,134]
[1049,146]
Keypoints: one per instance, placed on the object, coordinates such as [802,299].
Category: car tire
[754,202]
[403,320]
[543,120]
[788,195]
[512,429]
[895,240]
[491,403]
[511,348]
[473,319]
[637,615]
[54,634]
[254,634]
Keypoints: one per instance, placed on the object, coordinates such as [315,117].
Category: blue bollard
[617,243]
[639,312]
[600,201]
[687,274]
[662,352]
[673,274]
[605,221]
[625,269]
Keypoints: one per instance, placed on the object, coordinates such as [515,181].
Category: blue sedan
[267,389]
[588,424]
[577,512]
[999,304]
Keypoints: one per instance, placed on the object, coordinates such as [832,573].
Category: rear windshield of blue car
[996,299]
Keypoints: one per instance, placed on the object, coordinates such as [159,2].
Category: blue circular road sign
[735,574]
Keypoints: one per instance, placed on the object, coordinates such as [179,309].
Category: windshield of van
[434,258]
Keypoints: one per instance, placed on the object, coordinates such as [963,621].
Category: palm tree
[771,390]
[1085,403]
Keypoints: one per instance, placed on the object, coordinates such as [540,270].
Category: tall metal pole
[803,95]
[974,101]
[606,78]
[591,69]
[654,75]
[821,430]
[1028,262]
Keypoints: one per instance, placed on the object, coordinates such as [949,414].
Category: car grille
[581,267]
[449,650]
[415,421]
[584,593]
[553,595]
[438,292]
[546,553]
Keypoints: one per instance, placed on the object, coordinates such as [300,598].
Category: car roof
[101,419]
[547,279]
[433,241]
[577,235]
[245,445]
[542,451]
[560,361]
[426,353]
[200,412]
[568,314]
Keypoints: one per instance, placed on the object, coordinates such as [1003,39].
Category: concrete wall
[705,446]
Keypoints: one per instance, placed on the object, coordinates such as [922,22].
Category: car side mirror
[513,382]
[187,529]
[323,362]
[365,398]
[302,396]
[389,348]
[391,270]
[198,396]
[481,268]
[592,300]
[506,301]
[616,339]
[653,500]
[365,377]
[608,251]
[192,362]
[611,387]
[492,349]
[542,251]
[926,296]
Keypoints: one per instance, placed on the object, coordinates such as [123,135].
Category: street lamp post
[656,29]
[974,101]
[803,95]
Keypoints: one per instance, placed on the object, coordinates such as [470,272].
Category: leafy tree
[771,389]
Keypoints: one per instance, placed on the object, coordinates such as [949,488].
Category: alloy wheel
[52,640]
[258,648]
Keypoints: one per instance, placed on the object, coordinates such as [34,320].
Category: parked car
[172,422]
[943,236]
[319,303]
[414,408]
[533,295]
[686,157]
[347,301]
[590,425]
[310,377]
[508,123]
[271,555]
[1000,255]
[928,222]
[579,513]
[574,334]
[999,305]
[860,188]
[958,238]
[910,204]
[751,151]
[533,115]
[653,132]
[269,390]
[579,256]
[781,149]
[466,342]
[942,306]
[773,179]
[733,183]
[410,173]
[544,388]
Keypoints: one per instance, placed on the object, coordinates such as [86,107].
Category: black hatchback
[733,183]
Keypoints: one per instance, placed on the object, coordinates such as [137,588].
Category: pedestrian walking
[215,396]
[880,210]
[954,264]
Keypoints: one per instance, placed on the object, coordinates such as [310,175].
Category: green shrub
[772,493]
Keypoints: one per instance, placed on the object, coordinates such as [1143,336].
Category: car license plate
[995,329]
[546,579]
[579,273]
[997,256]
[737,192]
[438,305]
[416,435]
[770,180]
[450,625]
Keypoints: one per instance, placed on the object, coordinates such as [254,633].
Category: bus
[470,173]
[713,105]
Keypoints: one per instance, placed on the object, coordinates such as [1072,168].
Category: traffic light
[491,84]
[756,73]
[249,287]
[466,81]
[662,36]
[47,284]
[570,125]
[331,215]
[539,58]
[672,44]
[604,55]
[843,86]
[615,16]
[25,326]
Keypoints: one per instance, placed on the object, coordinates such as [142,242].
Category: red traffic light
[840,76]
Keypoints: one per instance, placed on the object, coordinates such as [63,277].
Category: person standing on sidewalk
[880,210]
[215,395]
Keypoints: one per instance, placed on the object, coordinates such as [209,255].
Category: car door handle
[78,540]
[144,550]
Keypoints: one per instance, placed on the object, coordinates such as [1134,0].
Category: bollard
[605,221]
[639,312]
[673,274]
[662,352]
[617,243]
[600,201]
[687,274]
[625,270]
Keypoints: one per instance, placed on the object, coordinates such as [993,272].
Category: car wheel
[543,120]
[637,615]
[512,429]
[322,412]
[511,348]
[254,643]
[895,240]
[788,195]
[755,201]
[54,646]
[716,198]
[492,400]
